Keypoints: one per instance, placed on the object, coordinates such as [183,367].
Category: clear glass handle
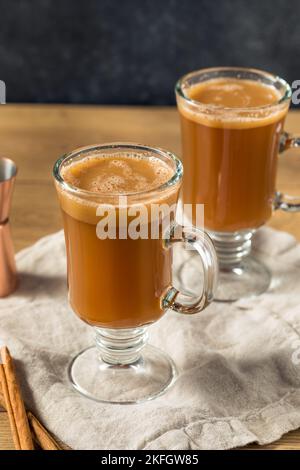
[202,243]
[284,201]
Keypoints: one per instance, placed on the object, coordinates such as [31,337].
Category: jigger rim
[13,170]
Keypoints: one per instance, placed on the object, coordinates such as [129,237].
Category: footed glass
[230,159]
[120,285]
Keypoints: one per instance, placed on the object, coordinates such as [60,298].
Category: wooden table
[35,135]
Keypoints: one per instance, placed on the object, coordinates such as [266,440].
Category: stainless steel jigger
[8,272]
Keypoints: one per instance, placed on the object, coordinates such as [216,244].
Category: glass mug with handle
[232,130]
[120,284]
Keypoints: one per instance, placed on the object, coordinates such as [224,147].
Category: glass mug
[230,161]
[121,286]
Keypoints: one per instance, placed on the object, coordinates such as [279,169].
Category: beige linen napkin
[239,363]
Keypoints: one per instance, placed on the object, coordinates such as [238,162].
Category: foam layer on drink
[234,93]
[117,174]
[228,96]
[108,177]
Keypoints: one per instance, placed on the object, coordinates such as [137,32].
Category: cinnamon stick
[14,403]
[40,434]
[10,413]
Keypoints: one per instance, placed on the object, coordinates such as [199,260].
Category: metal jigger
[8,272]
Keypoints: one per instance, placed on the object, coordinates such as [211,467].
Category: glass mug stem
[120,346]
[233,247]
[124,346]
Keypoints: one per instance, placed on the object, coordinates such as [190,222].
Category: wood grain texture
[36,135]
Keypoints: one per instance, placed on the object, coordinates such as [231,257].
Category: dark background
[133,51]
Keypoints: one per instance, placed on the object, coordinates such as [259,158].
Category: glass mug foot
[150,373]
[248,279]
[241,275]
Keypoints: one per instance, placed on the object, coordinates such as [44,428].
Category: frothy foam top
[234,93]
[230,95]
[117,174]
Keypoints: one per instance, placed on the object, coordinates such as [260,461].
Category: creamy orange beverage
[115,283]
[119,204]
[230,158]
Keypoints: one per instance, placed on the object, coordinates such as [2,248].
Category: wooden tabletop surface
[36,135]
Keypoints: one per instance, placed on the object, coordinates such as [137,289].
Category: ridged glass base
[241,275]
[121,368]
[250,278]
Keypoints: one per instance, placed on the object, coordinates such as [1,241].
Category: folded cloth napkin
[239,363]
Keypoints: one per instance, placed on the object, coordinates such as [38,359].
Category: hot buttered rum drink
[115,283]
[230,159]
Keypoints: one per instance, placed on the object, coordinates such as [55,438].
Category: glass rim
[129,146]
[275,78]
